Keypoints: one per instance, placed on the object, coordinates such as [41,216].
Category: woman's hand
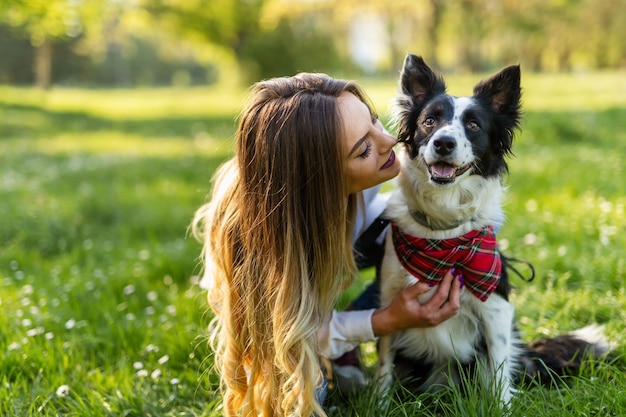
[406,312]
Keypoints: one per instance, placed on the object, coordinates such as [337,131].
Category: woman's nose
[387,142]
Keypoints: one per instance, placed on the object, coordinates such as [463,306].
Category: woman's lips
[390,161]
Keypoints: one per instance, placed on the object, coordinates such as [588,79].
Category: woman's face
[367,148]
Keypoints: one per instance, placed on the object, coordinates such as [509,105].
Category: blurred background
[129,43]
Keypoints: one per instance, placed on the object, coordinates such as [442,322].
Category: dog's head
[454,137]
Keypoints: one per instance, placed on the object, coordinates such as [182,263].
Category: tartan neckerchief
[474,254]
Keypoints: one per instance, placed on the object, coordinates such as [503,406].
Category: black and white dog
[443,216]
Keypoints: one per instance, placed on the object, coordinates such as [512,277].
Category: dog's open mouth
[444,173]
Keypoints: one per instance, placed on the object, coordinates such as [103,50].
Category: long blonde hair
[277,245]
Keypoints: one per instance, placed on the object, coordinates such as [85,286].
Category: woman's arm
[344,331]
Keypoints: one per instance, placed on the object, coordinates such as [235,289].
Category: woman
[278,235]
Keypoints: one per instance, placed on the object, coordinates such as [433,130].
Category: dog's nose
[444,145]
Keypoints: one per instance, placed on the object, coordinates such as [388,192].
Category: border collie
[443,215]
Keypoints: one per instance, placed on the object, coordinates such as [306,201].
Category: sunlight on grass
[112,142]
[131,104]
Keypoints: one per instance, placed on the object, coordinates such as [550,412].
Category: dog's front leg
[384,368]
[498,322]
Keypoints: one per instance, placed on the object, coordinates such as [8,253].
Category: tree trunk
[437,7]
[43,64]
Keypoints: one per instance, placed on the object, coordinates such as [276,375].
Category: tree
[43,22]
[227,23]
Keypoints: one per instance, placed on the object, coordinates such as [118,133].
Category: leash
[508,263]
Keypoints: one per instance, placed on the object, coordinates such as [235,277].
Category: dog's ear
[418,81]
[418,84]
[502,91]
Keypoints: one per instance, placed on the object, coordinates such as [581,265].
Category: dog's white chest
[456,337]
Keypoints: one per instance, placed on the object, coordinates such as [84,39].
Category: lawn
[100,312]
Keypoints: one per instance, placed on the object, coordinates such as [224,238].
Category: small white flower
[531,206]
[194,280]
[152,348]
[14,346]
[70,324]
[129,289]
[35,331]
[152,296]
[156,374]
[49,336]
[138,365]
[174,381]
[530,239]
[63,391]
[142,373]
[163,359]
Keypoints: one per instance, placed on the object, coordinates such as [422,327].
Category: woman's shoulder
[374,203]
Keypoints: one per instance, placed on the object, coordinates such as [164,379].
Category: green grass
[98,276]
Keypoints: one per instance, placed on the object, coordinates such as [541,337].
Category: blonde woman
[278,234]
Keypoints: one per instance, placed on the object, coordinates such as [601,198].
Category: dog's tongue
[443,170]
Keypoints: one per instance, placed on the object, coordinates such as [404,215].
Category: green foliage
[41,19]
[228,23]
[113,42]
[100,312]
[279,51]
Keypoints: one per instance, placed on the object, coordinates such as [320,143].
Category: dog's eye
[472,125]
[429,121]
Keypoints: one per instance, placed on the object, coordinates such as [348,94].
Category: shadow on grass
[27,121]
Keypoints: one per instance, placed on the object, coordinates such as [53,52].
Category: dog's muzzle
[445,173]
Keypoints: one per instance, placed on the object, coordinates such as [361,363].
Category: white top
[345,330]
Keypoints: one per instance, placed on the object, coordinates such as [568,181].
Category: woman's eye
[472,125]
[367,151]
[429,121]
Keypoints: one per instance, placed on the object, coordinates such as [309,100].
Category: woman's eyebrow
[358,143]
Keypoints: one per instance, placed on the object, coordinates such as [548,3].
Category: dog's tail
[546,360]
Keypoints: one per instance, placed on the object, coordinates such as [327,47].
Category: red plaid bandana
[474,254]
